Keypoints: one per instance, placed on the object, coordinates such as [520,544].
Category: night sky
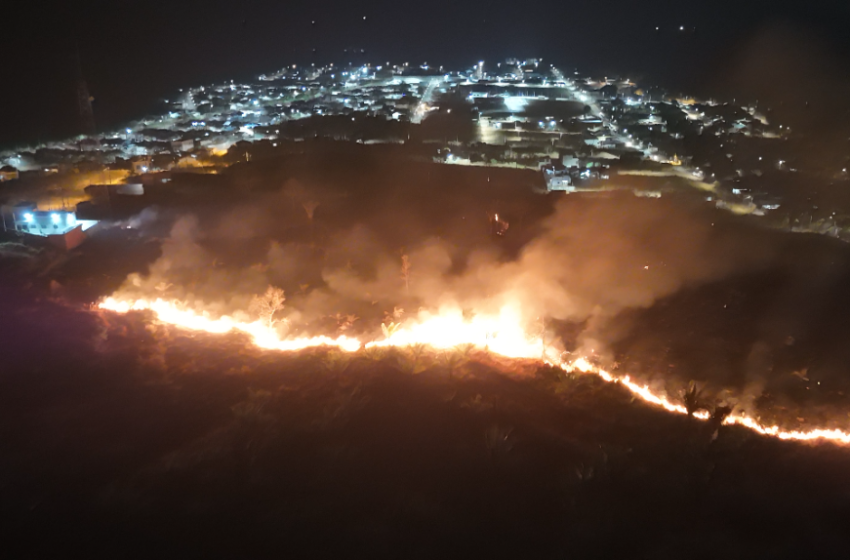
[136,52]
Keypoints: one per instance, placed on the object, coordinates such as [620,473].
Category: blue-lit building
[60,227]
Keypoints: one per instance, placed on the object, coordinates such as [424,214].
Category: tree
[719,414]
[268,304]
[296,191]
[693,399]
[405,271]
[310,207]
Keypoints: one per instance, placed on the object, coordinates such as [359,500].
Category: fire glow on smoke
[501,334]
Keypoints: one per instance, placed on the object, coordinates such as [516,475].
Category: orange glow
[260,333]
[501,334]
[835,436]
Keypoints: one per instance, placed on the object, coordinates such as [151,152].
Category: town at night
[336,286]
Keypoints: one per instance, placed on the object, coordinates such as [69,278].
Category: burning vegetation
[341,355]
[587,263]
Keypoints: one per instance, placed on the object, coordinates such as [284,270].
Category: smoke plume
[591,259]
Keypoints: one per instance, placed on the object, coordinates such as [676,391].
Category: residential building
[8,173]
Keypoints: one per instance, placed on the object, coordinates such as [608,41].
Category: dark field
[123,438]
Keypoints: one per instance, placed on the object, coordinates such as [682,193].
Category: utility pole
[83,98]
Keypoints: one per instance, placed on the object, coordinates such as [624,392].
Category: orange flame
[260,333]
[501,334]
[836,436]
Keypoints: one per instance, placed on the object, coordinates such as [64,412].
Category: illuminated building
[8,173]
[60,227]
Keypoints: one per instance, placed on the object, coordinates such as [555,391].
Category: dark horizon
[134,56]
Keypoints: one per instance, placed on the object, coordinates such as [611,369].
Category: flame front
[261,335]
[501,334]
[835,435]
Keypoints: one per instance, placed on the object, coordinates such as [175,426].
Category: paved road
[613,129]
[420,111]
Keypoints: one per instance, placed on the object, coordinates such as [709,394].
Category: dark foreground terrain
[214,450]
[122,438]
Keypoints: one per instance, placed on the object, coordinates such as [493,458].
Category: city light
[516,104]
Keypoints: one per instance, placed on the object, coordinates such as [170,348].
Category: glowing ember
[501,334]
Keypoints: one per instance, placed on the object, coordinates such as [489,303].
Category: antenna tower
[84,99]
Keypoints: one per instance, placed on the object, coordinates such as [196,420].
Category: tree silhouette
[268,304]
[405,271]
[310,208]
[693,399]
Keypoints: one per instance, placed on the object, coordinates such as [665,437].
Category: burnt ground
[121,438]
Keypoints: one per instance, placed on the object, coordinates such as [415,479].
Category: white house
[60,227]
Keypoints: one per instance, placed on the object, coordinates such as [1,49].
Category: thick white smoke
[590,260]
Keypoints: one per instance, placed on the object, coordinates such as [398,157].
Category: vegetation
[268,304]
[405,271]
[692,398]
[324,439]
[123,434]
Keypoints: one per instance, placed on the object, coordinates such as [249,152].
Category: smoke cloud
[590,259]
